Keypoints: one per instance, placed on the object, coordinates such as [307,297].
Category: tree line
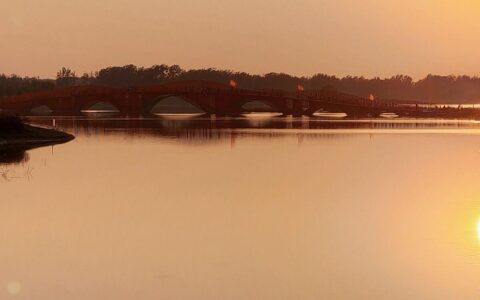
[432,88]
[14,85]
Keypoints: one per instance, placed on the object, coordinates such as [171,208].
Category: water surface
[250,208]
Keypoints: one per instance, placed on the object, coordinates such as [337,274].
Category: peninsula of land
[14,132]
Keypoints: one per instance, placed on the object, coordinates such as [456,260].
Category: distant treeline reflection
[433,88]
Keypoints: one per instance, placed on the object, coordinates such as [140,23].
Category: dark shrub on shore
[10,123]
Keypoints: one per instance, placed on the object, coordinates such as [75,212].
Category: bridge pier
[224,108]
[298,108]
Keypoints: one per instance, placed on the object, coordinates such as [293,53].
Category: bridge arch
[100,106]
[40,110]
[328,115]
[259,105]
[325,107]
[173,104]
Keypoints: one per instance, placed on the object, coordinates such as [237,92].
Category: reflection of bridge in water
[209,97]
[205,130]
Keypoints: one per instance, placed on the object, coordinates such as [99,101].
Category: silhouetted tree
[66,77]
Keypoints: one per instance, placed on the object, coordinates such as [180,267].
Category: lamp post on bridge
[300,89]
[233,84]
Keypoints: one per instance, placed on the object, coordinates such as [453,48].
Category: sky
[300,37]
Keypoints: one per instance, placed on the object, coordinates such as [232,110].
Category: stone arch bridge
[210,97]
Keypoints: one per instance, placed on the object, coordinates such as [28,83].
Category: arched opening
[101,109]
[41,110]
[389,115]
[175,106]
[322,113]
[256,108]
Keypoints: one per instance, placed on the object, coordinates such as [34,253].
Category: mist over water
[244,208]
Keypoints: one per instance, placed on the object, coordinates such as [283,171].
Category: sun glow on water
[14,287]
[478,229]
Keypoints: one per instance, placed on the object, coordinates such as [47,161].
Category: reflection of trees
[448,89]
[13,155]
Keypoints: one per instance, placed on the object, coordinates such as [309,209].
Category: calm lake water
[250,208]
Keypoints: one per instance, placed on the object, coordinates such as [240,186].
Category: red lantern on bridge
[300,88]
[233,84]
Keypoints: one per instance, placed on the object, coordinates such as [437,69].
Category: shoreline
[31,136]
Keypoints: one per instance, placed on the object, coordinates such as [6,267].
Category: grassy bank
[13,131]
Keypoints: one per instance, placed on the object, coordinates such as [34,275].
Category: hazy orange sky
[301,37]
